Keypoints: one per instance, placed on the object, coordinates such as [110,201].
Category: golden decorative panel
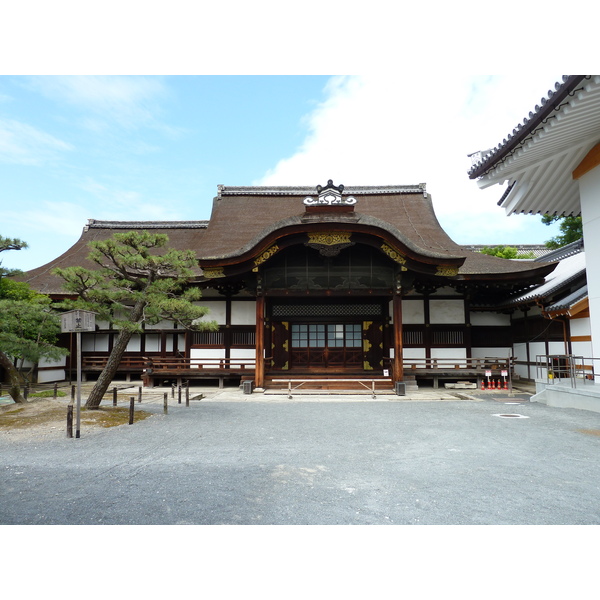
[213,272]
[447,272]
[329,238]
[394,254]
[266,255]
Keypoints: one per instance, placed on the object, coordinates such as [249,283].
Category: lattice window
[208,338]
[448,338]
[327,310]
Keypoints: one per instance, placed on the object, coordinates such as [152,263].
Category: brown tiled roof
[244,216]
[183,235]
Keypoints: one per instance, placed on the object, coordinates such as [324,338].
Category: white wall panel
[580,327]
[95,342]
[216,311]
[413,312]
[134,344]
[152,342]
[243,313]
[449,356]
[51,375]
[446,311]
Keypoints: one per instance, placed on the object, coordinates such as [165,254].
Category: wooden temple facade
[323,282]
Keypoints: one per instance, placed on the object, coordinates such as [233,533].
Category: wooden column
[397,369]
[260,342]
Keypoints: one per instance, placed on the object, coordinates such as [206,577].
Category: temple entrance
[331,345]
[334,346]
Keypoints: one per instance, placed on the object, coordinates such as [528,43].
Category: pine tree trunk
[109,371]
[14,381]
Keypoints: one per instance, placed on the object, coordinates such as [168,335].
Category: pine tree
[138,280]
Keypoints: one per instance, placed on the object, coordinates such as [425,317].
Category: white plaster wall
[134,344]
[480,318]
[95,342]
[242,353]
[200,353]
[413,312]
[413,353]
[243,313]
[152,342]
[583,349]
[520,353]
[216,311]
[556,348]
[580,326]
[453,356]
[446,311]
[589,193]
[536,348]
[51,376]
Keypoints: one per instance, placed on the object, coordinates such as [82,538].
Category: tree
[10,244]
[139,280]
[571,229]
[28,325]
[506,252]
[28,332]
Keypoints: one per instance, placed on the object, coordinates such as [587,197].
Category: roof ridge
[224,190]
[98,224]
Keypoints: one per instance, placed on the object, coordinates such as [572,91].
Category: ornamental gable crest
[329,195]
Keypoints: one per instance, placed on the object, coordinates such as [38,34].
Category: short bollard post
[140,394]
[178,394]
[25,392]
[165,404]
[131,409]
[173,390]
[55,390]
[114,396]
[73,393]
[187,395]
[70,421]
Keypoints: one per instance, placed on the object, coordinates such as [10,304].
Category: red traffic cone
[489,385]
[498,386]
[482,385]
[505,384]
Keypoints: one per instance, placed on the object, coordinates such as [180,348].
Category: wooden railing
[174,364]
[171,364]
[464,364]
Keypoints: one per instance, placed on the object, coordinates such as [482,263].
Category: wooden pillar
[398,369]
[260,342]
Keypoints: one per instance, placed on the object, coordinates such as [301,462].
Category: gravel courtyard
[230,459]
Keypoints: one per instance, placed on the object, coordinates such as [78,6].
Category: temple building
[550,164]
[322,282]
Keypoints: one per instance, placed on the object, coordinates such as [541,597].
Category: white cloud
[382,130]
[23,144]
[131,102]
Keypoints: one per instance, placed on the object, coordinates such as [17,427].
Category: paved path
[234,460]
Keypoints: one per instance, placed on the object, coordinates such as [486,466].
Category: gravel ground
[227,460]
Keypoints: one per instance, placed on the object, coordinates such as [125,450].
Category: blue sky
[156,147]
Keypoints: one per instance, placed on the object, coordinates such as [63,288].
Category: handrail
[488,363]
[165,364]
